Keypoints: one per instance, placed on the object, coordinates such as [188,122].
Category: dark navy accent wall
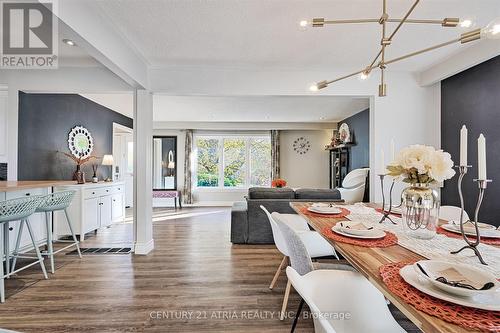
[359,126]
[472,97]
[44,123]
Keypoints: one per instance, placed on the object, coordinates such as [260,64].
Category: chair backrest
[297,251]
[355,178]
[452,213]
[19,208]
[56,201]
[278,237]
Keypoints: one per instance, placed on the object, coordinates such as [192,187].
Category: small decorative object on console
[345,134]
[79,175]
[278,183]
[421,166]
[94,177]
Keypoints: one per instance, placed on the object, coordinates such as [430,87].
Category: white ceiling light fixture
[69,42]
[491,31]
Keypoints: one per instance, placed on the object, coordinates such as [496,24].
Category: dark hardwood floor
[195,280]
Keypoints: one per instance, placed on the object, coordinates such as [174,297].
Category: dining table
[368,260]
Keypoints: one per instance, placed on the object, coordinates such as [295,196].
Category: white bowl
[433,267]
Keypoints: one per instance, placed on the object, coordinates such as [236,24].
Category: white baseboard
[144,248]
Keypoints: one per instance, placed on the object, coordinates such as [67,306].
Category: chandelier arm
[372,64]
[350,21]
[423,21]
[403,20]
[369,68]
[423,51]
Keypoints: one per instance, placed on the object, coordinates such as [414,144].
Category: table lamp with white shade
[108,161]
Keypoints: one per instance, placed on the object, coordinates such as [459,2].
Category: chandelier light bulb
[313,87]
[303,24]
[364,75]
[492,30]
[467,23]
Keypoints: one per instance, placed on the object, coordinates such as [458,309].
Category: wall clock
[301,145]
[80,142]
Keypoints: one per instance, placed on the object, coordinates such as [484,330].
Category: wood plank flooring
[194,281]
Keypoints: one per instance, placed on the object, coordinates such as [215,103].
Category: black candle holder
[482,185]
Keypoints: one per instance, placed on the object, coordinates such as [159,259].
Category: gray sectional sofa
[250,225]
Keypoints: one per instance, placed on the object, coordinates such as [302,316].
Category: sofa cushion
[270,193]
[317,194]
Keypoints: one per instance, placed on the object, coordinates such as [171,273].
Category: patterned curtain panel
[187,194]
[275,154]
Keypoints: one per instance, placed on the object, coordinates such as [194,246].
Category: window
[232,161]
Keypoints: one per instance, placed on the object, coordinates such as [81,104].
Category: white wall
[62,80]
[308,170]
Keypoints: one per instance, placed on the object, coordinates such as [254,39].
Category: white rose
[441,166]
[415,156]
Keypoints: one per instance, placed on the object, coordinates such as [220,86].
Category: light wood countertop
[8,186]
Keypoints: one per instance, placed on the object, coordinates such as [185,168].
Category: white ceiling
[305,109]
[246,33]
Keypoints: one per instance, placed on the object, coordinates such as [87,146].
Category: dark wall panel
[44,123]
[359,126]
[472,98]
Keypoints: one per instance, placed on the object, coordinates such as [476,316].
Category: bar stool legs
[73,234]
[37,250]
[6,248]
[50,247]
[16,255]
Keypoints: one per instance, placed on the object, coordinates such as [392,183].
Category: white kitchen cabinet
[94,206]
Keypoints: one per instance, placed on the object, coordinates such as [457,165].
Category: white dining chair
[317,246]
[353,186]
[452,213]
[342,300]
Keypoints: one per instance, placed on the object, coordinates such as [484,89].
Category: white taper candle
[463,146]
[481,157]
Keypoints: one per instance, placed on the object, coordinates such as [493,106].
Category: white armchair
[353,185]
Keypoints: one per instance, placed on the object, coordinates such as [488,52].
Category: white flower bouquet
[422,164]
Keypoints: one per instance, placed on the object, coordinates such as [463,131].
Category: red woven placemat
[344,212]
[469,318]
[485,240]
[390,239]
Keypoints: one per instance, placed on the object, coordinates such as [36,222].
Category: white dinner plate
[489,233]
[375,234]
[490,302]
[325,210]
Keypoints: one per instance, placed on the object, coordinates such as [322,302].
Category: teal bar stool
[51,203]
[19,209]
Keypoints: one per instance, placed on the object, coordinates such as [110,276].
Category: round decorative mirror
[80,142]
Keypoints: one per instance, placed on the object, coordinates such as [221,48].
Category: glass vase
[420,211]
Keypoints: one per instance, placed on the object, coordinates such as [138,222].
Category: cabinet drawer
[118,189]
[26,193]
[97,192]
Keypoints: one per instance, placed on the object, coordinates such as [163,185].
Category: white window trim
[220,138]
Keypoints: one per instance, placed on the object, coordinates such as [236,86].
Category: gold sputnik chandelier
[491,31]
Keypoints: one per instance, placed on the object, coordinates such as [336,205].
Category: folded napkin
[452,277]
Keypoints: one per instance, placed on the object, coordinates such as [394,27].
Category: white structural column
[143,189]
